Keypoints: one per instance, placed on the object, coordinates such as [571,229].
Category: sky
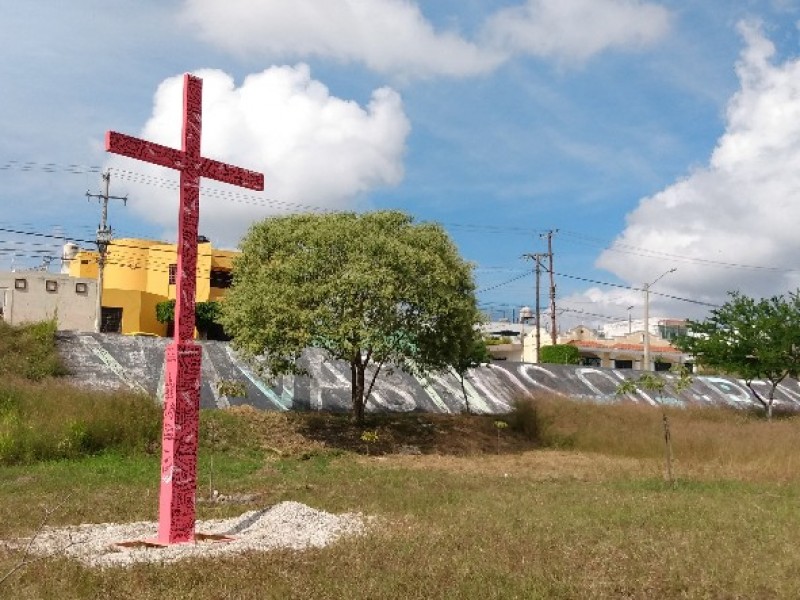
[647,135]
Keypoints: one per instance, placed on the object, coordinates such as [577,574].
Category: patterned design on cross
[183,357]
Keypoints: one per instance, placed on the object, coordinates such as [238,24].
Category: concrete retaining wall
[107,361]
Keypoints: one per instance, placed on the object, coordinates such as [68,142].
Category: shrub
[525,418]
[560,354]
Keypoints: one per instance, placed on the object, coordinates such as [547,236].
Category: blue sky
[652,135]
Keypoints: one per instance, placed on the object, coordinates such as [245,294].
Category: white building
[30,296]
[665,327]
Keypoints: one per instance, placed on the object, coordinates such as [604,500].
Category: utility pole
[538,258]
[102,240]
[553,330]
[646,337]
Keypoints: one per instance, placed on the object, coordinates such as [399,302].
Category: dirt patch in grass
[297,434]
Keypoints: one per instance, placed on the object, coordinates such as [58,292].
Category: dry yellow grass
[707,442]
[539,465]
[589,517]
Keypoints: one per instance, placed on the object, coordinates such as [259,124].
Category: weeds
[499,425]
[524,418]
[369,438]
[47,420]
[29,351]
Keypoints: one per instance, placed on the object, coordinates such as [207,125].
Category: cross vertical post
[183,357]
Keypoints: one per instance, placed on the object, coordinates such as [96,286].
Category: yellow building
[141,273]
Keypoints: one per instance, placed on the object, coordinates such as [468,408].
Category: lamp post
[630,323]
[646,357]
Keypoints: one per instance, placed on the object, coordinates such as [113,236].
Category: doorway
[111,319]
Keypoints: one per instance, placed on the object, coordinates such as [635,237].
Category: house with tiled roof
[517,342]
[624,352]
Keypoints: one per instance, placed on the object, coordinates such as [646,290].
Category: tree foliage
[205,314]
[560,354]
[370,289]
[751,339]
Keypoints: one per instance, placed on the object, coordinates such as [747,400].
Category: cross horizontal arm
[226,173]
[132,147]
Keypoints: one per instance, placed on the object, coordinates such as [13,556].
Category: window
[173,272]
[662,366]
[671,330]
[81,288]
[51,285]
[623,364]
[20,284]
[590,361]
[221,279]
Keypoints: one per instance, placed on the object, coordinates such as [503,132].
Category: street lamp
[630,323]
[646,357]
[525,314]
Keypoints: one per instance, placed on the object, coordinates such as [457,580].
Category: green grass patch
[29,351]
[48,420]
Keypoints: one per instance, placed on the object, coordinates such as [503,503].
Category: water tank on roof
[68,253]
[525,313]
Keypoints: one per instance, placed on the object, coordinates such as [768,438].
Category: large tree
[370,289]
[752,339]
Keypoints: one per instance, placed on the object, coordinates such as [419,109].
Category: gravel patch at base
[286,525]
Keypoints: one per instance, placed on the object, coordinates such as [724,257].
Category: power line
[497,285]
[244,198]
[636,289]
[618,247]
[27,166]
[590,314]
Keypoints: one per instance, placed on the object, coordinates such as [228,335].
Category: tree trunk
[667,446]
[464,391]
[770,401]
[763,402]
[357,387]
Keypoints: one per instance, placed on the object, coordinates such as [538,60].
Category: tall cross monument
[176,514]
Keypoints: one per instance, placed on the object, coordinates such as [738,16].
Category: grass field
[568,501]
[583,511]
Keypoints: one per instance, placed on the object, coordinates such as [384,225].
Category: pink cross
[176,515]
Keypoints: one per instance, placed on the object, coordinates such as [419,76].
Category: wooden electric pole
[102,240]
[538,258]
[553,328]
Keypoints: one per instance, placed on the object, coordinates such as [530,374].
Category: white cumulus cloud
[388,36]
[731,224]
[314,149]
[394,37]
[574,30]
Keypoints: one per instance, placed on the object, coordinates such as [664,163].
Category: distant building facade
[665,328]
[517,342]
[626,352]
[30,296]
[141,273]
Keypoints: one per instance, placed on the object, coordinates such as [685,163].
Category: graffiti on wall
[107,361]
